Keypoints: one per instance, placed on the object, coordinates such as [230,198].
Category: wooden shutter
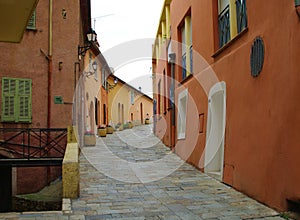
[24,100]
[31,22]
[8,99]
[16,100]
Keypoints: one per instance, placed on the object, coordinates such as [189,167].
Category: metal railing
[183,66]
[33,143]
[241,15]
[224,26]
[191,60]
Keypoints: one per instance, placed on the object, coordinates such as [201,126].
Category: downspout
[49,80]
[49,65]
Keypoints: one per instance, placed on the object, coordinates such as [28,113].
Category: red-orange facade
[236,89]
[47,57]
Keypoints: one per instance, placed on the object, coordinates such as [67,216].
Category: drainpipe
[49,80]
[172,57]
[49,65]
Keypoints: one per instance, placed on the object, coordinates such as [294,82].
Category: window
[90,62]
[96,71]
[32,22]
[103,79]
[232,19]
[16,100]
[183,52]
[132,97]
[182,113]
[186,47]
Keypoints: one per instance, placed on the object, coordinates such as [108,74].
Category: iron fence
[33,143]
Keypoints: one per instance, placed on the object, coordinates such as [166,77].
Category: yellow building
[91,94]
[127,104]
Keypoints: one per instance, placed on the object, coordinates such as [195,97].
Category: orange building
[226,85]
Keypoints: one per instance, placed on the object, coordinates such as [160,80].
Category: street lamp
[91,37]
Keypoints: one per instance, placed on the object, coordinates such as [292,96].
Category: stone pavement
[132,175]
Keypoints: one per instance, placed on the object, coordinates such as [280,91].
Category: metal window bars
[241,15]
[224,26]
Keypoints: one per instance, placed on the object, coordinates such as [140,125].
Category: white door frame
[215,135]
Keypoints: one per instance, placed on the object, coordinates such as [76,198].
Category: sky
[118,23]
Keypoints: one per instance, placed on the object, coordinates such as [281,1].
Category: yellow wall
[116,95]
[135,109]
[121,93]
[92,91]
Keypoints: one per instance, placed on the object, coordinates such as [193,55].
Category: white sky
[119,22]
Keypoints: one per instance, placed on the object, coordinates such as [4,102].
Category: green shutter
[16,100]
[8,99]
[31,22]
[24,100]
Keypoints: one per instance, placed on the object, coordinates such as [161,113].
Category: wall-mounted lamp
[95,66]
[297,6]
[91,37]
[110,86]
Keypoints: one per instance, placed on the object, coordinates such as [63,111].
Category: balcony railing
[33,143]
[191,60]
[241,15]
[184,66]
[224,26]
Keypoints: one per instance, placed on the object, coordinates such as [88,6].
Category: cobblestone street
[132,175]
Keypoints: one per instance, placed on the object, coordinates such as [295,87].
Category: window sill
[186,79]
[219,51]
[181,136]
[31,29]
[16,122]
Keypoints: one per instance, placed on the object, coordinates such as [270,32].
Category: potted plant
[101,131]
[126,125]
[130,124]
[89,138]
[147,120]
[119,126]
[109,129]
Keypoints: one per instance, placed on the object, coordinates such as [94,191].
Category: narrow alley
[119,181]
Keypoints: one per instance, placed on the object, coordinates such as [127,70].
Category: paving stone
[119,179]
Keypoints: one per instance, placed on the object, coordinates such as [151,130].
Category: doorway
[5,188]
[142,113]
[96,112]
[214,149]
[104,114]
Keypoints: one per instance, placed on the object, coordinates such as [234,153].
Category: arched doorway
[92,116]
[142,113]
[214,149]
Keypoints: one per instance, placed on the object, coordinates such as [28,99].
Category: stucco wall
[262,120]
[28,60]
[120,95]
